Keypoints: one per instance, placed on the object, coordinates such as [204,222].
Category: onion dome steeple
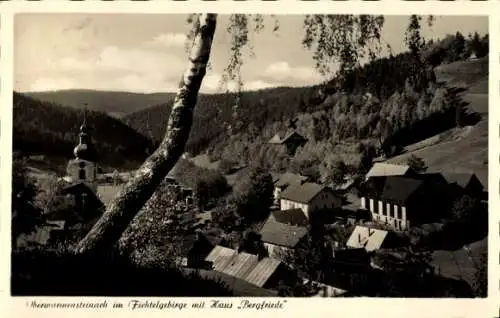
[85,149]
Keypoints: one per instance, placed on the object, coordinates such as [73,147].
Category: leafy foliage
[341,38]
[416,163]
[480,284]
[156,233]
[43,272]
[26,214]
[208,185]
[252,244]
[255,196]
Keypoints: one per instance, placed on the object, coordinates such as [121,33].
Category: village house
[464,184]
[281,182]
[87,205]
[401,202]
[382,169]
[310,197]
[49,233]
[290,139]
[283,231]
[264,273]
[368,238]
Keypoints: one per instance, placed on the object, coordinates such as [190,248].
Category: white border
[314,307]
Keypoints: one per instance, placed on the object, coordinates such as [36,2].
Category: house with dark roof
[309,197]
[464,183]
[46,234]
[290,139]
[87,205]
[295,217]
[400,201]
[281,182]
[282,232]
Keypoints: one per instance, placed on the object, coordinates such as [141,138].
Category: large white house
[402,201]
[309,197]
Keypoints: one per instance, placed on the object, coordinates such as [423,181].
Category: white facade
[80,170]
[276,193]
[276,251]
[324,200]
[390,214]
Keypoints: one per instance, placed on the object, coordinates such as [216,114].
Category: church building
[82,177]
[83,168]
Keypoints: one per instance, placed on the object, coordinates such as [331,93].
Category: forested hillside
[52,130]
[378,107]
[214,112]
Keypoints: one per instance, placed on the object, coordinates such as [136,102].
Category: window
[81,174]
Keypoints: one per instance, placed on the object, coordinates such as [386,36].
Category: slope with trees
[52,130]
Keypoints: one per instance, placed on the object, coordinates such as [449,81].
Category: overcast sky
[145,53]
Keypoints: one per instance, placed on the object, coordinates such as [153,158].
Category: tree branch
[138,190]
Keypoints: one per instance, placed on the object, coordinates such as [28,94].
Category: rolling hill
[116,104]
[466,149]
[52,130]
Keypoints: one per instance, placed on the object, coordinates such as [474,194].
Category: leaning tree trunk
[137,191]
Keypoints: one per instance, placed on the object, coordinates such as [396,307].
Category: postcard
[250,158]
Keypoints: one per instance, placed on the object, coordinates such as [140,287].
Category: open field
[465,154]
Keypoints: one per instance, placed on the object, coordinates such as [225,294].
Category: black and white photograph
[250,155]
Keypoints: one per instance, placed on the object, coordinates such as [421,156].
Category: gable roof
[461,179]
[69,188]
[263,271]
[387,169]
[399,189]
[240,287]
[367,238]
[302,193]
[282,234]
[291,217]
[288,178]
[282,137]
[220,257]
[241,265]
[392,188]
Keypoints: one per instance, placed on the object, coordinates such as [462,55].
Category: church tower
[84,167]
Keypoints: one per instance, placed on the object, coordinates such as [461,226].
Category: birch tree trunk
[137,191]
